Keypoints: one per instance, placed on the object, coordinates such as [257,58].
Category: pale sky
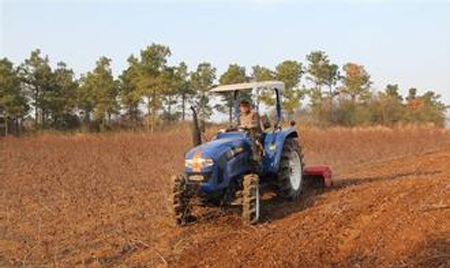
[405,43]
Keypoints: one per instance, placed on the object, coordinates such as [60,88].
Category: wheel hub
[295,171]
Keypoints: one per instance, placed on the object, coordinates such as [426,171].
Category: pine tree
[13,101]
[234,74]
[202,80]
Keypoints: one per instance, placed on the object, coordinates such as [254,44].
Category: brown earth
[103,200]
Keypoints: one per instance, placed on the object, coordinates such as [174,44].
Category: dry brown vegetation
[103,200]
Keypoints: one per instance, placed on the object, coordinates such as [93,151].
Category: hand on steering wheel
[244,129]
[234,128]
[228,129]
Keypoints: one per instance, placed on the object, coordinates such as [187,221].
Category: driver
[250,120]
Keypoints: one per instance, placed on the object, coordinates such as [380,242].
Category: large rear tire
[180,198]
[290,180]
[251,199]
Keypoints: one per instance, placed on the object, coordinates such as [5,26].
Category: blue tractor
[219,172]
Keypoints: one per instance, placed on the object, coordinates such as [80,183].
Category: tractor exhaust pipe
[196,129]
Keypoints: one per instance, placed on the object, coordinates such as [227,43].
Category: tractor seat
[265,122]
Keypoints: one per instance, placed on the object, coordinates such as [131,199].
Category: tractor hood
[223,143]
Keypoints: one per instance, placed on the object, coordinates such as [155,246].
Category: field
[103,201]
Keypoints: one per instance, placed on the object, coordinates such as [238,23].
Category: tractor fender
[279,143]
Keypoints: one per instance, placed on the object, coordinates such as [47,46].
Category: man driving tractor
[250,120]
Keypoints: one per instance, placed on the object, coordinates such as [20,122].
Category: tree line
[150,92]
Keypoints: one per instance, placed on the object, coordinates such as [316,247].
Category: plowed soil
[103,201]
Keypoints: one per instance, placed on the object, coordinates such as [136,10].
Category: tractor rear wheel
[180,199]
[290,179]
[251,199]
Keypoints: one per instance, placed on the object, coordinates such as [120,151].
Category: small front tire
[180,199]
[251,199]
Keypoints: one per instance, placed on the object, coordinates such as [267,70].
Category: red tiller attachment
[318,175]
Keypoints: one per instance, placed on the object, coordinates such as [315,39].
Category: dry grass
[343,148]
[103,199]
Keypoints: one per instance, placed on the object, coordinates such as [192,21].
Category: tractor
[219,172]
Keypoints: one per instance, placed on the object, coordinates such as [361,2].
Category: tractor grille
[199,177]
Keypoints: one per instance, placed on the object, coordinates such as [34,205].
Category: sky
[404,43]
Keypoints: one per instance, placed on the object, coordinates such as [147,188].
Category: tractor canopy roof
[244,86]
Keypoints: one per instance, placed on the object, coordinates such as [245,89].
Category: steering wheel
[243,129]
[234,128]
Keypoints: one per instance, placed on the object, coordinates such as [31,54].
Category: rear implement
[318,175]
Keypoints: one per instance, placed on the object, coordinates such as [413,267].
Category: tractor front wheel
[251,199]
[181,198]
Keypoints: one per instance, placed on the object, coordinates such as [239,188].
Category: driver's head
[245,107]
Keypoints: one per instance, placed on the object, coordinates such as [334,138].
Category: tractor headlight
[197,164]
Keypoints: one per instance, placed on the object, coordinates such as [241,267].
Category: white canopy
[242,86]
